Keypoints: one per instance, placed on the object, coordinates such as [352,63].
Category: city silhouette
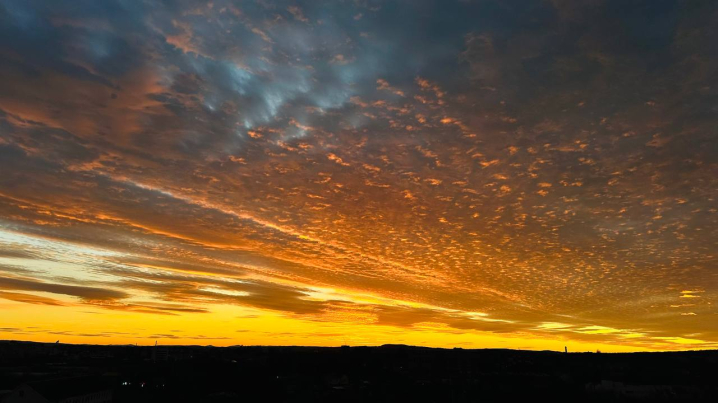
[358,201]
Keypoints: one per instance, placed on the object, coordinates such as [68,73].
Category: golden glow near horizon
[429,173]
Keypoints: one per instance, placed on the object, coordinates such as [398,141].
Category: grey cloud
[86,293]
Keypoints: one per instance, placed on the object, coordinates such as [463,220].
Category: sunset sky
[511,174]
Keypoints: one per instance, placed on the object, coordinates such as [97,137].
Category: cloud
[85,293]
[30,299]
[253,293]
[548,162]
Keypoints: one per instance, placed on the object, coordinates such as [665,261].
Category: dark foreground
[30,372]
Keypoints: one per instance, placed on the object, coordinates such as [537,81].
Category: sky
[477,174]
